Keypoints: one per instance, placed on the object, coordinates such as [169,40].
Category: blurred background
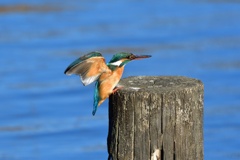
[45,114]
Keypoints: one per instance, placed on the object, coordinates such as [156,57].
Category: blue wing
[89,67]
[74,64]
[96,98]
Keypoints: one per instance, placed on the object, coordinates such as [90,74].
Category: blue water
[45,114]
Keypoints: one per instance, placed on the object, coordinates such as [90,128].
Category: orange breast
[109,83]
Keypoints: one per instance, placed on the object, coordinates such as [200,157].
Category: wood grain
[155,118]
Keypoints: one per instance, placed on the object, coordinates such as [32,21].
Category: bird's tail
[96,99]
[94,110]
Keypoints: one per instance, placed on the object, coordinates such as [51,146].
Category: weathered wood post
[156,118]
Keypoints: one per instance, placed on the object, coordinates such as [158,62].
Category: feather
[96,98]
[89,80]
[81,59]
[89,67]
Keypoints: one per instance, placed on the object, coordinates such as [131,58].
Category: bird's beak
[136,57]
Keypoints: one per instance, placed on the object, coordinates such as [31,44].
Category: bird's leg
[116,89]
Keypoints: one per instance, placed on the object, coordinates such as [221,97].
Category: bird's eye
[131,56]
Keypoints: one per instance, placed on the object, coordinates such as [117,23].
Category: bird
[92,67]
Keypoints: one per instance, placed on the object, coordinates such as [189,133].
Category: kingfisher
[92,67]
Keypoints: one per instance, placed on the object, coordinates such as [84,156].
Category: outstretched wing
[89,67]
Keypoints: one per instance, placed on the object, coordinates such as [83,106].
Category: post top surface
[158,83]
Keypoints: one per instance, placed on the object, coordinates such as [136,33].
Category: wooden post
[156,118]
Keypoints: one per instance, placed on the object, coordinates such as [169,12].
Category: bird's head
[122,58]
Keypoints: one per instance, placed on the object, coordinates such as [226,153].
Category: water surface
[47,115]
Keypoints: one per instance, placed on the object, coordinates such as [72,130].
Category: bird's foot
[116,89]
